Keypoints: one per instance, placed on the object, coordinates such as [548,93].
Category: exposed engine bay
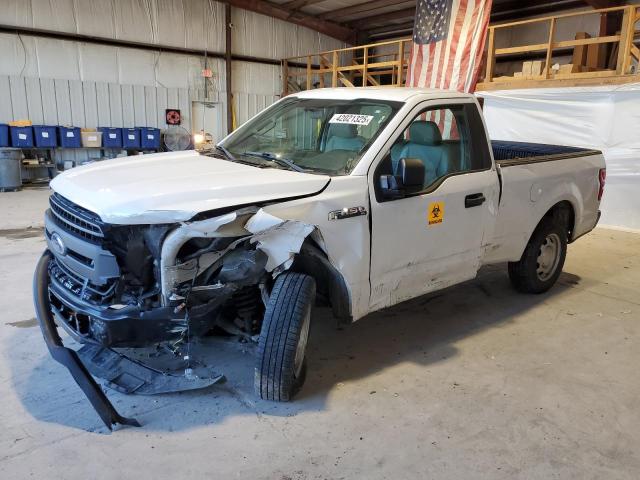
[151,291]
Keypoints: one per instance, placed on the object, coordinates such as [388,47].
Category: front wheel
[281,367]
[542,260]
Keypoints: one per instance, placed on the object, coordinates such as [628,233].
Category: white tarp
[606,118]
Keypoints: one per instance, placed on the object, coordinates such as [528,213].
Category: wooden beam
[365,7]
[383,18]
[491,55]
[392,28]
[594,79]
[298,4]
[515,9]
[326,27]
[552,34]
[598,4]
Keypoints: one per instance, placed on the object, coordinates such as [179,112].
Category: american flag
[448,42]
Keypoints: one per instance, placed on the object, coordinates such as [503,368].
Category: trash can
[10,178]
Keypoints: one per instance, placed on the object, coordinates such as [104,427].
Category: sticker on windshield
[351,119]
[435,214]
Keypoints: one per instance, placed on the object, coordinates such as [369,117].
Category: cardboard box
[532,69]
[91,139]
[536,68]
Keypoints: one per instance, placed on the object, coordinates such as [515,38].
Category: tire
[281,367]
[542,260]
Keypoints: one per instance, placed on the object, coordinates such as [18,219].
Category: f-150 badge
[435,213]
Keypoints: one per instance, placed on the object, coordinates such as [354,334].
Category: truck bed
[516,153]
[534,177]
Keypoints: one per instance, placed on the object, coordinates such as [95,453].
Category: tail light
[602,177]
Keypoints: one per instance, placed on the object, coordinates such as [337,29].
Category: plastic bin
[70,137]
[149,138]
[91,139]
[4,135]
[21,137]
[10,172]
[131,137]
[45,136]
[111,137]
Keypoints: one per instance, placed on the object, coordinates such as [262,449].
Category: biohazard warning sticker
[435,213]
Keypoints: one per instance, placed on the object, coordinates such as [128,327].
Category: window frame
[478,137]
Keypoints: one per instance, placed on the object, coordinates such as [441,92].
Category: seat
[343,136]
[425,143]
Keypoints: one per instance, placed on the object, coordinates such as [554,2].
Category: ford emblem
[57,244]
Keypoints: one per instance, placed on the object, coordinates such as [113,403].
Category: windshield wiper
[285,162]
[226,153]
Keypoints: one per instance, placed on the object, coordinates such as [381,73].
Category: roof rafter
[361,8]
[383,17]
[270,9]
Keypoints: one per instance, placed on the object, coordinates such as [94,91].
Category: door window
[447,140]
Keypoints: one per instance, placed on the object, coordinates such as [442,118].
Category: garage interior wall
[63,82]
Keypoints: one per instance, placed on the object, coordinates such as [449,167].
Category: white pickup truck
[355,198]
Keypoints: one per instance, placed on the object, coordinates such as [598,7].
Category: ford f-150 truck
[358,198]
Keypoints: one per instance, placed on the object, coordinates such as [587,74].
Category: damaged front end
[114,287]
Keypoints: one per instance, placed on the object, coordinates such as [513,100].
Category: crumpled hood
[175,186]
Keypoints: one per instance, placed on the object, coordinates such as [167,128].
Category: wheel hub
[548,257]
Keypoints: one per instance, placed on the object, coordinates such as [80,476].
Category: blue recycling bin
[111,137]
[131,138]
[150,138]
[4,135]
[45,136]
[21,137]
[70,137]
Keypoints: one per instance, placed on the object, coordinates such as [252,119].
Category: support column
[227,64]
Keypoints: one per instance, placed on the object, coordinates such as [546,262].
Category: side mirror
[410,178]
[412,173]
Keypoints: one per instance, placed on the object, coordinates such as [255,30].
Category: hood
[175,186]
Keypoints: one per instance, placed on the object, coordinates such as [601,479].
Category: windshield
[311,135]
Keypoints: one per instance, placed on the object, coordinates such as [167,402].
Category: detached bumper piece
[67,357]
[129,376]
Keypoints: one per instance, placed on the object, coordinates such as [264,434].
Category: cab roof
[394,94]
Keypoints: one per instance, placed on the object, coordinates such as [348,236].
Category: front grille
[75,219]
[80,287]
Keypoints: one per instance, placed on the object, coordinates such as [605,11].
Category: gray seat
[425,143]
[343,136]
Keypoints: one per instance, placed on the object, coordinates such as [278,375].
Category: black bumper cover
[66,356]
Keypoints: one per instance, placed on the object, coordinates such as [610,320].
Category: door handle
[474,200]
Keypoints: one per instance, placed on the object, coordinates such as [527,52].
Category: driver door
[431,238]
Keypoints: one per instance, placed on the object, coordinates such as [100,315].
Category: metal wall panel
[92,104]
[49,107]
[34,100]
[63,102]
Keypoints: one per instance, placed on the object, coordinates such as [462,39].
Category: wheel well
[562,213]
[330,284]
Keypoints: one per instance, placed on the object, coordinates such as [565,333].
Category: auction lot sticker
[351,118]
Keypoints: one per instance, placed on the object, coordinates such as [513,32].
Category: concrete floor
[476,382]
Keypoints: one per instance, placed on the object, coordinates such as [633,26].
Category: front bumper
[128,326]
[67,357]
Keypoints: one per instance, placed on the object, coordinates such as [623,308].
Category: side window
[446,140]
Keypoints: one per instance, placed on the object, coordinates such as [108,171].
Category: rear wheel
[542,260]
[281,368]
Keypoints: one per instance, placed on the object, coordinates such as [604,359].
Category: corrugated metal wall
[66,82]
